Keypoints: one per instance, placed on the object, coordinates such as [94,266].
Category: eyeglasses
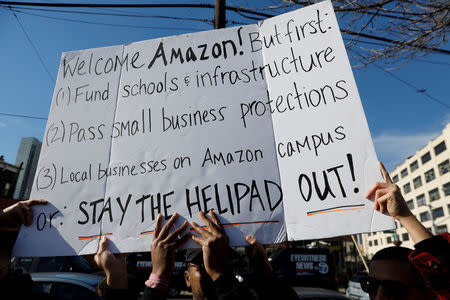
[393,289]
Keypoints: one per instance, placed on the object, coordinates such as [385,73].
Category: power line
[105,24]
[115,14]
[418,90]
[34,48]
[22,116]
[238,10]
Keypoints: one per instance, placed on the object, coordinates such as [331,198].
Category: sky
[401,119]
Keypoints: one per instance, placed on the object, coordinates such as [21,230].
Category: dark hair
[393,253]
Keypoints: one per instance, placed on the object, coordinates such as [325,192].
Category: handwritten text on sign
[261,123]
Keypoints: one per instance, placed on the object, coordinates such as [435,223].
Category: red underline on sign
[224,225]
[81,238]
[336,209]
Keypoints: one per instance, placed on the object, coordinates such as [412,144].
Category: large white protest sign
[262,123]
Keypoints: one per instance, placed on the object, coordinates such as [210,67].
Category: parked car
[318,293]
[52,264]
[354,290]
[65,285]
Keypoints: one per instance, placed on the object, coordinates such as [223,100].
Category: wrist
[158,282]
[117,280]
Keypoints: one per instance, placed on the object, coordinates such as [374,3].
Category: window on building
[404,172]
[410,204]
[448,208]
[375,242]
[425,216]
[440,148]
[426,157]
[389,240]
[437,212]
[407,188]
[417,182]
[446,189]
[441,229]
[434,194]
[395,178]
[370,243]
[421,201]
[414,166]
[405,237]
[444,167]
[429,175]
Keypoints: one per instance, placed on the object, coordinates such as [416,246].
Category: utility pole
[219,14]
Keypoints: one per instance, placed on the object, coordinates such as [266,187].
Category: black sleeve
[271,287]
[116,294]
[153,294]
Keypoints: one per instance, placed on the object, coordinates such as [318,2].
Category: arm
[265,282]
[388,198]
[163,248]
[214,242]
[115,269]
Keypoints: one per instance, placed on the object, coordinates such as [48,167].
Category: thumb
[103,245]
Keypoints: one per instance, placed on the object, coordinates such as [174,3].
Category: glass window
[370,243]
[407,188]
[440,148]
[429,175]
[375,242]
[389,240]
[417,182]
[448,208]
[421,200]
[426,157]
[444,167]
[395,178]
[437,212]
[405,237]
[425,216]
[446,189]
[441,229]
[414,166]
[434,194]
[410,204]
[404,172]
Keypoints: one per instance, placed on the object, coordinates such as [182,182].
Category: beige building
[424,179]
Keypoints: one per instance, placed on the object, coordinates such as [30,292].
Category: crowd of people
[394,272]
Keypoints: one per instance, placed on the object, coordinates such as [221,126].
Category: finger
[250,239]
[203,232]
[212,228]
[103,245]
[158,226]
[380,193]
[21,214]
[166,228]
[172,236]
[198,240]
[386,176]
[374,188]
[382,202]
[183,240]
[28,216]
[216,221]
[35,202]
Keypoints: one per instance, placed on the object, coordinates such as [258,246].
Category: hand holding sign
[19,213]
[214,242]
[113,265]
[164,245]
[388,197]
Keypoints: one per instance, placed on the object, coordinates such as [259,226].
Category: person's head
[392,276]
[196,277]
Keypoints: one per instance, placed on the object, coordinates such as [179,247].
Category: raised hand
[258,256]
[19,213]
[214,242]
[165,243]
[388,198]
[113,265]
